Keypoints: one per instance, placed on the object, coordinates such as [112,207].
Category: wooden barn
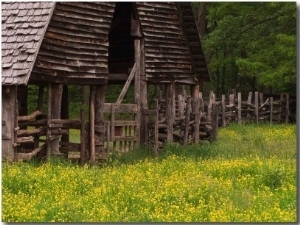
[53,45]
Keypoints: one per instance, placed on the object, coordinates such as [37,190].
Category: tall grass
[249,175]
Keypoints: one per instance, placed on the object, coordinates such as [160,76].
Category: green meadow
[248,175]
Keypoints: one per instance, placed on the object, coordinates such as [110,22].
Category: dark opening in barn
[121,43]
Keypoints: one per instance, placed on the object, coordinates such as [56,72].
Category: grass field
[249,175]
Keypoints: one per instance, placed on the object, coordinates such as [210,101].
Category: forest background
[249,46]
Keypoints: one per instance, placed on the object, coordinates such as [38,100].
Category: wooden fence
[197,119]
[257,108]
[183,120]
[190,121]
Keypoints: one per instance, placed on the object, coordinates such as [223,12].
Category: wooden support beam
[126,86]
[187,120]
[56,100]
[49,110]
[170,110]
[99,120]
[92,124]
[143,92]
[137,90]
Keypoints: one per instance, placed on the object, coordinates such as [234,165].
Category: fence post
[287,109]
[261,98]
[271,110]
[215,118]
[249,102]
[256,107]
[281,108]
[209,108]
[223,111]
[239,108]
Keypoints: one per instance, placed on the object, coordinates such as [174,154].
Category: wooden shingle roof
[23,28]
[69,40]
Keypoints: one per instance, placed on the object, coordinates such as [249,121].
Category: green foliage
[252,45]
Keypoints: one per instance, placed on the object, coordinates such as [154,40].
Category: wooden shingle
[21,37]
[68,40]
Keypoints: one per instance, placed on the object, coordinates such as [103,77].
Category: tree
[251,46]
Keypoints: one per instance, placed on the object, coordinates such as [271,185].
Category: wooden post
[209,108]
[239,108]
[56,98]
[280,108]
[99,118]
[271,110]
[261,98]
[187,121]
[137,91]
[223,111]
[170,110]
[9,119]
[49,111]
[287,108]
[249,102]
[143,93]
[112,125]
[215,118]
[196,111]
[256,107]
[92,124]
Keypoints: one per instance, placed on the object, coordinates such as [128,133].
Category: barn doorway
[121,43]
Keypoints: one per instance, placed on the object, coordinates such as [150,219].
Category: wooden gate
[118,133]
[123,123]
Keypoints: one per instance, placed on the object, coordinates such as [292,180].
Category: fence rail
[197,118]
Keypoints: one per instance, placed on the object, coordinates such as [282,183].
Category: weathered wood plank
[92,124]
[124,108]
[126,86]
[29,156]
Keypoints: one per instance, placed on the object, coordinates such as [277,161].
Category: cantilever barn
[53,45]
